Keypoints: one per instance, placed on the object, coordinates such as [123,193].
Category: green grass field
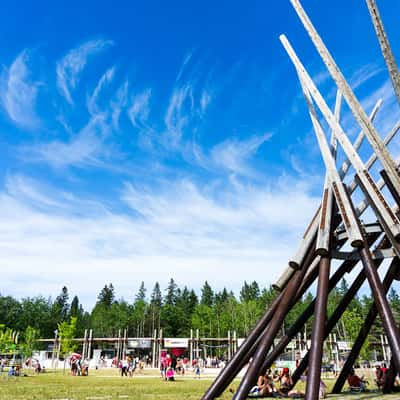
[107,385]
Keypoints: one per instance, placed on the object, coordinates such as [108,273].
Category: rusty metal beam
[317,338]
[395,194]
[365,329]
[344,268]
[335,317]
[259,356]
[246,350]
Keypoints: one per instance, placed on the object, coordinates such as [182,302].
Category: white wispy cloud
[178,113]
[234,154]
[118,103]
[364,74]
[139,110]
[185,63]
[205,100]
[92,101]
[83,149]
[182,229]
[19,93]
[69,68]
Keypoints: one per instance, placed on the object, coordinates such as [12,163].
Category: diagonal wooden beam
[355,107]
[385,46]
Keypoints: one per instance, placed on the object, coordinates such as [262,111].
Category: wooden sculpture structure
[335,225]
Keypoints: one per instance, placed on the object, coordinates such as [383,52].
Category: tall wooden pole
[385,47]
[89,353]
[358,112]
[84,344]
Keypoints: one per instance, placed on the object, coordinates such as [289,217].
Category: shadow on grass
[373,394]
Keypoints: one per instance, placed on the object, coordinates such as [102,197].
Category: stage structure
[335,233]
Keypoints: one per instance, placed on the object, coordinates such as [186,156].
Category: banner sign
[344,345]
[176,342]
[140,344]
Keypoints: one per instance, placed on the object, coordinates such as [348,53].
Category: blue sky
[149,140]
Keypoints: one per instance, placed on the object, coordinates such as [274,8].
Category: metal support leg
[241,357]
[364,331]
[390,186]
[344,268]
[307,313]
[265,343]
[247,349]
[334,318]
[317,339]
[382,305]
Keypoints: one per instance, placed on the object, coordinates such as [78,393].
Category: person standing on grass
[131,366]
[197,370]
[124,367]
[163,368]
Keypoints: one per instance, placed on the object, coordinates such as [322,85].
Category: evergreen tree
[61,306]
[184,311]
[254,291]
[141,294]
[74,309]
[207,295]
[107,296]
[170,298]
[244,292]
[221,297]
[250,292]
[154,310]
[140,311]
[156,297]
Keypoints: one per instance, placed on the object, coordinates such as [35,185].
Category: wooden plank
[377,201]
[355,107]
[385,47]
[342,200]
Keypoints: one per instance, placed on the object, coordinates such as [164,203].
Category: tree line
[176,310]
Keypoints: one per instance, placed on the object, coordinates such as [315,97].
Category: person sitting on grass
[11,371]
[286,384]
[265,386]
[170,374]
[355,382]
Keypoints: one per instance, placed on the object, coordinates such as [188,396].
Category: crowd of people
[79,367]
[275,384]
[359,383]
[170,366]
[128,365]
[14,369]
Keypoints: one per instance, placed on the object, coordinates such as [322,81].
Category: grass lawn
[106,384]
